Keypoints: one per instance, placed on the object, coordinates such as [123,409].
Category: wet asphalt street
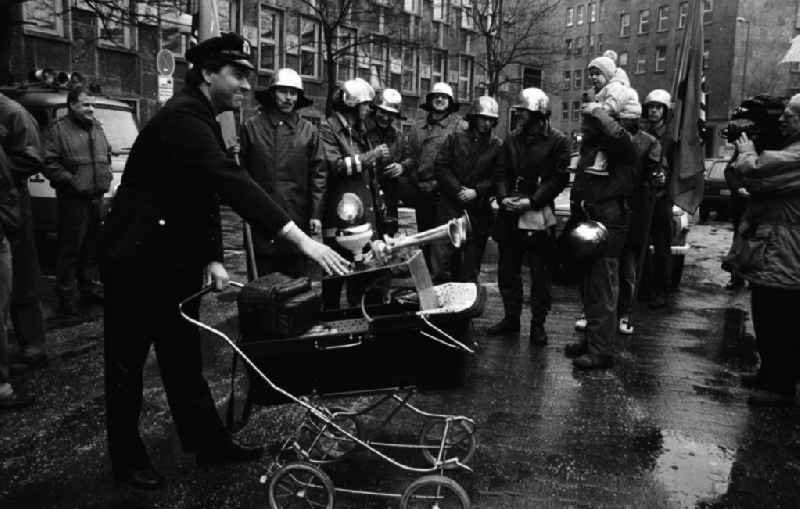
[668,426]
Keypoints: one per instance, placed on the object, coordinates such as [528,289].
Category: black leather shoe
[538,335]
[590,361]
[144,479]
[228,452]
[505,326]
[575,349]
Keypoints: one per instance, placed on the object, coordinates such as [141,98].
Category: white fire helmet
[659,96]
[533,99]
[390,100]
[442,88]
[356,91]
[286,78]
[484,106]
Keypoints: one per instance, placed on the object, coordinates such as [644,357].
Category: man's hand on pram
[216,276]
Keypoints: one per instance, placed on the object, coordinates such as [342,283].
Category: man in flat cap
[162,238]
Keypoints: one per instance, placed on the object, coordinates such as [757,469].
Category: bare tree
[514,32]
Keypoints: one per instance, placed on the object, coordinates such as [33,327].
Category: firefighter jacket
[350,166]
[19,135]
[532,165]
[77,157]
[283,154]
[422,146]
[166,210]
[467,159]
[648,161]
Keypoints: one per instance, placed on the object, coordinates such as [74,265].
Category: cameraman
[767,254]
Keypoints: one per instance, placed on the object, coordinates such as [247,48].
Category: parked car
[716,194]
[680,232]
[46,104]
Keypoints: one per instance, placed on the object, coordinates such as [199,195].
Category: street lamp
[746,52]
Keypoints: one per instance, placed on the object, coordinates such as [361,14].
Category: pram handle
[319,346]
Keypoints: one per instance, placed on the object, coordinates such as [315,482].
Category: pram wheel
[434,492]
[325,444]
[300,485]
[460,442]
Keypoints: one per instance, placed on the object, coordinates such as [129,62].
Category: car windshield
[118,125]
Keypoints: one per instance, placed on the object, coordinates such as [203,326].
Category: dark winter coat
[77,158]
[283,154]
[19,134]
[466,159]
[766,251]
[530,165]
[423,144]
[166,210]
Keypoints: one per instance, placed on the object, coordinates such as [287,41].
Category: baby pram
[385,351]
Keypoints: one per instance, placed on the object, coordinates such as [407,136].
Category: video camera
[757,117]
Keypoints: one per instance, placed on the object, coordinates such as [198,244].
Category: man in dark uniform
[422,146]
[532,171]
[380,131]
[283,153]
[162,234]
[464,170]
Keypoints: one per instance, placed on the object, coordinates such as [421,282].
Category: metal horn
[457,230]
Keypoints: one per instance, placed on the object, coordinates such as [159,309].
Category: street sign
[165,62]
[165,88]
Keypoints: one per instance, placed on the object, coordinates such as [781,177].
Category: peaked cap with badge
[229,48]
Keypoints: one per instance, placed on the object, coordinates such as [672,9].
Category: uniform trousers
[78,230]
[539,248]
[141,309]
[776,337]
[425,211]
[5,297]
[462,264]
[661,236]
[627,281]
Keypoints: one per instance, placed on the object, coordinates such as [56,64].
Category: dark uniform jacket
[530,165]
[284,156]
[10,218]
[77,158]
[467,160]
[648,161]
[19,135]
[348,170]
[390,186]
[422,146]
[166,210]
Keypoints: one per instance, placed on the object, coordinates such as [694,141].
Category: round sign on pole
[165,62]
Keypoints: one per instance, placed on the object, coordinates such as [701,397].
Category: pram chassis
[328,434]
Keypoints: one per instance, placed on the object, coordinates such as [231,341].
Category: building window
[661,58]
[396,67]
[706,53]
[567,80]
[624,25]
[577,78]
[411,6]
[438,63]
[115,26]
[570,16]
[302,45]
[531,77]
[440,10]
[44,16]
[565,111]
[409,70]
[641,61]
[663,18]
[590,50]
[578,46]
[465,78]
[424,72]
[378,54]
[708,8]
[174,29]
[269,29]
[644,21]
[414,23]
[683,11]
[381,14]
[568,44]
[580,12]
[346,54]
[228,15]
[466,14]
[576,111]
[592,12]
[599,43]
[622,59]
[466,42]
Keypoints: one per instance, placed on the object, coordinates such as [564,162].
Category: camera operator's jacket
[767,250]
[530,165]
[283,154]
[467,160]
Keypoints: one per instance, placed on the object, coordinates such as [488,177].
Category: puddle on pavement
[692,471]
[729,344]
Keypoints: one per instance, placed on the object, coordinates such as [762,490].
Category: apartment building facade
[743,43]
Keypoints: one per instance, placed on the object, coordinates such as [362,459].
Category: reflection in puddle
[693,471]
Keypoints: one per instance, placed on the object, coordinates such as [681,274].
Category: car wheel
[677,270]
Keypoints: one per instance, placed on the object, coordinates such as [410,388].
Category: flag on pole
[688,89]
